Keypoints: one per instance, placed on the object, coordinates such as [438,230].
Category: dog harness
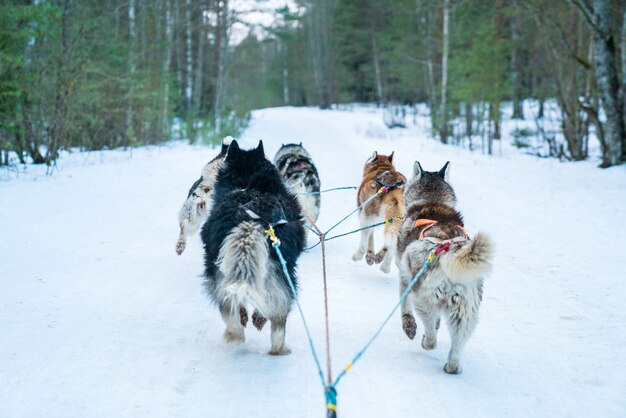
[429,223]
[379,180]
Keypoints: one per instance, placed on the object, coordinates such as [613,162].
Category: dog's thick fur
[296,167]
[195,210]
[379,168]
[241,268]
[453,284]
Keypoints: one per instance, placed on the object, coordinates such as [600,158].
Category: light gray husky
[453,284]
[196,208]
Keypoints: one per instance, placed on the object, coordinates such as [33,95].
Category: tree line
[465,58]
[98,75]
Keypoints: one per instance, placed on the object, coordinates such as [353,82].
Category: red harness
[429,223]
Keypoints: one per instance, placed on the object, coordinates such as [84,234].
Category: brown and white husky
[379,172]
[453,284]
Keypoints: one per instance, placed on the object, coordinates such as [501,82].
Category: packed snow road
[100,318]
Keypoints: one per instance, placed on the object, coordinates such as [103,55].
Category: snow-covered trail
[100,318]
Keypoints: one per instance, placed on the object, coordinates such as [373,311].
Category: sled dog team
[241,194]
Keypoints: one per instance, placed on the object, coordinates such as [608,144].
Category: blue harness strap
[327,190]
[372,197]
[330,391]
[405,294]
[276,244]
[331,401]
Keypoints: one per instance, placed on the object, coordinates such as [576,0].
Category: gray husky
[453,284]
[195,210]
[300,175]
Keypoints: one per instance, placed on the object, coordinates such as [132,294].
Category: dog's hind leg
[243,315]
[278,347]
[430,318]
[462,320]
[370,256]
[258,320]
[409,326]
[191,216]
[386,254]
[234,329]
[366,244]
[181,243]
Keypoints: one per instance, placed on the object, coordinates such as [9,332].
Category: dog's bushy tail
[243,260]
[472,261]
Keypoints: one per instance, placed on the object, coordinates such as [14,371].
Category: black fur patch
[248,181]
[194,186]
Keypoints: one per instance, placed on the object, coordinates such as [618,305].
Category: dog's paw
[180,247]
[385,268]
[428,343]
[409,326]
[379,257]
[452,368]
[243,316]
[370,258]
[258,320]
[357,256]
[234,337]
[279,352]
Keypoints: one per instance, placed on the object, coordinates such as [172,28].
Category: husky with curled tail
[453,284]
[296,167]
[242,270]
[195,210]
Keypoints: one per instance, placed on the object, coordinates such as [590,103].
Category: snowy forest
[102,75]
[312,208]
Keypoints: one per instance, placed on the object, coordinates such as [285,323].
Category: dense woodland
[120,73]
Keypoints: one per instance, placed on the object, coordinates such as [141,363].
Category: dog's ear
[391,157]
[372,158]
[418,171]
[259,149]
[226,143]
[444,173]
[300,143]
[233,148]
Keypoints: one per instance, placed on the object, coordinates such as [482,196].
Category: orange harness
[429,223]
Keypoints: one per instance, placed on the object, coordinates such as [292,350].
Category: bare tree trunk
[624,82]
[169,26]
[469,120]
[188,57]
[607,77]
[57,128]
[222,45]
[179,48]
[431,87]
[379,81]
[518,111]
[319,39]
[444,73]
[197,86]
[132,69]
[285,74]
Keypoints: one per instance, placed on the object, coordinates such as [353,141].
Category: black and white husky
[299,174]
[242,270]
[453,284]
[195,210]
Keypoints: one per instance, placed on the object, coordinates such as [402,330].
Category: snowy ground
[100,318]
